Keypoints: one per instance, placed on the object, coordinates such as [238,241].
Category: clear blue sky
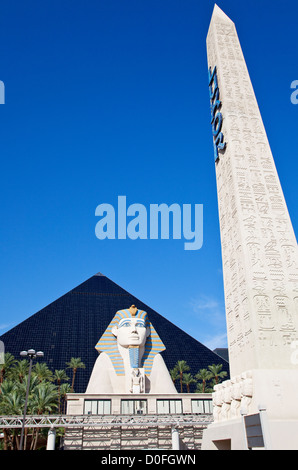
[108,98]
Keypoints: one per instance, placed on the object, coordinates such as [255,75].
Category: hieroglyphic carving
[264,312]
[285,316]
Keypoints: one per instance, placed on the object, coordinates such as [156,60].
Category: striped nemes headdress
[108,342]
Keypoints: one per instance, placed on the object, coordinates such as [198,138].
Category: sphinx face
[131,332]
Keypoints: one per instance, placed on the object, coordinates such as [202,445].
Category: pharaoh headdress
[108,342]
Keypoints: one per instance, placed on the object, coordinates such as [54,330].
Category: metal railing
[56,421]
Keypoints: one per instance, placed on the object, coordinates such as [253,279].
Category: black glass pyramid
[72,325]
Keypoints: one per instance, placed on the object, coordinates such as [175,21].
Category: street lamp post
[32,354]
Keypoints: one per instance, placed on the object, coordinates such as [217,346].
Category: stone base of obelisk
[231,436]
[274,397]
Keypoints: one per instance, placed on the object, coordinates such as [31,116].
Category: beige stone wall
[157,434]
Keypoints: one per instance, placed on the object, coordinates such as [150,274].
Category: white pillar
[243,413]
[265,427]
[51,439]
[175,439]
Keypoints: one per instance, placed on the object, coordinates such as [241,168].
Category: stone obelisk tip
[220,15]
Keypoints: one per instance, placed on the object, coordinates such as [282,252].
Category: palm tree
[9,361]
[6,388]
[204,375]
[44,401]
[75,363]
[20,370]
[174,375]
[181,367]
[42,372]
[44,398]
[60,375]
[65,388]
[11,403]
[188,380]
[43,395]
[22,387]
[217,373]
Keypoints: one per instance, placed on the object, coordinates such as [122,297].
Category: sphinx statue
[129,358]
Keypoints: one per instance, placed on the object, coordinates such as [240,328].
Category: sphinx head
[131,329]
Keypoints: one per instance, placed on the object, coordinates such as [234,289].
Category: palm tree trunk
[73,379]
[17,441]
[25,438]
[5,439]
[12,441]
[32,439]
[59,398]
[36,439]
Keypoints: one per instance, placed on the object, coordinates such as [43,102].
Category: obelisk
[259,253]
